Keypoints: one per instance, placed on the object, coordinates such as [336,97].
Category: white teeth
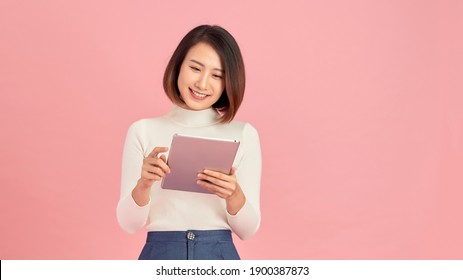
[199,94]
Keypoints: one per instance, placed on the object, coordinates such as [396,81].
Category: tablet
[189,155]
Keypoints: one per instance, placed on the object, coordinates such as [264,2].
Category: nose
[201,83]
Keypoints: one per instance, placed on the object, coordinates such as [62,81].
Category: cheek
[183,82]
[181,78]
[181,87]
[184,75]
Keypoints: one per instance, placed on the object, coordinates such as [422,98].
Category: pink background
[358,105]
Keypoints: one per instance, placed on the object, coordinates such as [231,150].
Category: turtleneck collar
[191,118]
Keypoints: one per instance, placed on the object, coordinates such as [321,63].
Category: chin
[196,106]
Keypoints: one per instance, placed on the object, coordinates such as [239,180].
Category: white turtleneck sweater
[172,210]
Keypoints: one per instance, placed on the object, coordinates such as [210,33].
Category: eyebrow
[195,61]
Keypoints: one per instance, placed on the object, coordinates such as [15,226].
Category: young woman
[205,81]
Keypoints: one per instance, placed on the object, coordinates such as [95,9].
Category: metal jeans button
[190,235]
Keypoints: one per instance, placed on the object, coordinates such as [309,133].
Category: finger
[162,164]
[217,174]
[156,170]
[213,180]
[159,163]
[221,192]
[151,166]
[157,150]
[218,186]
[233,171]
[150,176]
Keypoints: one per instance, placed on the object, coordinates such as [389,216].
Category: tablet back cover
[189,155]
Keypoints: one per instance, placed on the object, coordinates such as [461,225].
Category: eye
[195,69]
[217,76]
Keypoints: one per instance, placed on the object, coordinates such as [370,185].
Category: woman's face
[201,80]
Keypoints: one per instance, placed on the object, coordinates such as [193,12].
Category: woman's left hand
[224,186]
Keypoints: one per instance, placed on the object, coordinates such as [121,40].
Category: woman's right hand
[154,167]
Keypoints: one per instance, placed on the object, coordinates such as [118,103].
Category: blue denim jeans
[189,245]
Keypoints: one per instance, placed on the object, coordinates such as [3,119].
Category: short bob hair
[232,62]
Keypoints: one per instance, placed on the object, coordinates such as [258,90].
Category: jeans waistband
[196,235]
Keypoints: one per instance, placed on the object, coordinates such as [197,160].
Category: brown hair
[229,52]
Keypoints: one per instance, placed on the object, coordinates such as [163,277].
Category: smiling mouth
[198,95]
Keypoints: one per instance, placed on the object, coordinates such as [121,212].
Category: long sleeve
[247,221]
[130,216]
[171,210]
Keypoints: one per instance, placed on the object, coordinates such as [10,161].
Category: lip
[196,96]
